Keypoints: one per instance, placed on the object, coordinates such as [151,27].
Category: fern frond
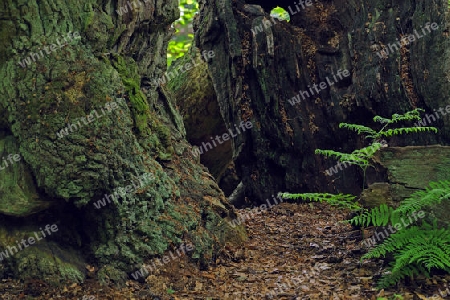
[367,152]
[382,120]
[408,271]
[377,216]
[405,117]
[394,242]
[357,157]
[404,130]
[383,215]
[354,159]
[329,153]
[416,250]
[408,116]
[341,200]
[432,195]
[427,249]
[358,128]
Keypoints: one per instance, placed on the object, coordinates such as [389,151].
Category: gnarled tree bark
[120,49]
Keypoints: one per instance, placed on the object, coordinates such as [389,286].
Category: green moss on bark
[110,153]
[152,133]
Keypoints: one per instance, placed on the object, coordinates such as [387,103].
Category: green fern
[360,129]
[359,157]
[432,195]
[350,158]
[341,200]
[390,278]
[395,118]
[384,215]
[362,156]
[416,249]
[398,131]
[378,216]
[408,116]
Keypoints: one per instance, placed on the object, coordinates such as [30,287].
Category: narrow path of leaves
[294,251]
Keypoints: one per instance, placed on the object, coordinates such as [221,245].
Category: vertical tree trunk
[121,48]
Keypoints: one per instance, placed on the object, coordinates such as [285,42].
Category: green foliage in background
[281,14]
[182,40]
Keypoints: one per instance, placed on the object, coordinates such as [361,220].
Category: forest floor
[294,251]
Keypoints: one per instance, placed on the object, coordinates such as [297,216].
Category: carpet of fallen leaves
[294,251]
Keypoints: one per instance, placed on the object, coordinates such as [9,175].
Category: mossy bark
[113,61]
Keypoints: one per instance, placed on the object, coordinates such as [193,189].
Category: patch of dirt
[294,251]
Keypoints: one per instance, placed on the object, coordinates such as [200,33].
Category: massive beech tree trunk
[256,73]
[58,180]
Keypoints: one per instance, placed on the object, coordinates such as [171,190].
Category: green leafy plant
[416,249]
[432,195]
[359,157]
[384,215]
[281,13]
[378,216]
[362,157]
[341,200]
[388,132]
